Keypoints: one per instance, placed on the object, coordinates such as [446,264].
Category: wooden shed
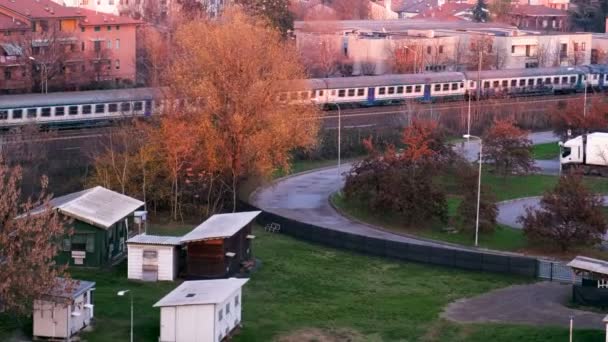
[153,257]
[102,220]
[218,247]
[201,310]
[593,289]
[65,311]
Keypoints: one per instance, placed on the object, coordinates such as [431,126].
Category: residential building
[47,46]
[538,17]
[448,12]
[599,48]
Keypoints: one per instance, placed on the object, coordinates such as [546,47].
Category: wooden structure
[593,290]
[201,310]
[152,257]
[218,247]
[101,220]
[65,311]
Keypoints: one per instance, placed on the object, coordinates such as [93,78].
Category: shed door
[149,270]
[167,324]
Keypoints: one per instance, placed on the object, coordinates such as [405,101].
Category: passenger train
[98,106]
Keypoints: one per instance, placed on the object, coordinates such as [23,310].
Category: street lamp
[339,136]
[122,293]
[468,136]
[44,85]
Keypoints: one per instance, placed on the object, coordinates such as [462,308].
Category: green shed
[101,220]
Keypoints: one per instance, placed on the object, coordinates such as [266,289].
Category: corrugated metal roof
[144,239]
[97,206]
[220,226]
[589,265]
[79,97]
[202,292]
[529,72]
[78,287]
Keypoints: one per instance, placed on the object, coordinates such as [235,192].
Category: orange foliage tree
[507,148]
[572,117]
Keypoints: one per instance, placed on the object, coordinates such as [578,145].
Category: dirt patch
[321,335]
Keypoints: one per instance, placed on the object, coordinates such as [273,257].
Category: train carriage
[597,76]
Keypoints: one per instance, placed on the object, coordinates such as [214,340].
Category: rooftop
[98,18]
[202,292]
[97,206]
[589,264]
[220,226]
[40,9]
[447,12]
[70,289]
[538,11]
[144,239]
[394,25]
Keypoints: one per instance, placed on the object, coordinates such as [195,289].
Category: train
[102,106]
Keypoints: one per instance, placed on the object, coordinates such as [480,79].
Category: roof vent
[190,295]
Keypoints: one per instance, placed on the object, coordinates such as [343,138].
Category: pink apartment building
[44,45]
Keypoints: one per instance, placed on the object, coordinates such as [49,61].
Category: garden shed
[153,257]
[101,221]
[593,289]
[218,247]
[201,310]
[65,311]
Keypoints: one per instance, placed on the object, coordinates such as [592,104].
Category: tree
[351,9]
[467,209]
[275,12]
[236,67]
[30,235]
[500,9]
[480,12]
[482,46]
[321,57]
[569,215]
[507,148]
[573,117]
[407,56]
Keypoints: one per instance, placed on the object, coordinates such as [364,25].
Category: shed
[201,310]
[593,289]
[101,220]
[65,311]
[218,247]
[153,257]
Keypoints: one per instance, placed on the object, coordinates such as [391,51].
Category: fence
[443,256]
[556,271]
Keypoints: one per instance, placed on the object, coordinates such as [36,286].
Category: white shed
[65,311]
[201,310]
[153,257]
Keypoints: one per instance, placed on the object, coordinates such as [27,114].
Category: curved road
[305,197]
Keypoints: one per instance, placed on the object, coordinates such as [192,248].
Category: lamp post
[339,136]
[585,98]
[44,87]
[122,293]
[468,136]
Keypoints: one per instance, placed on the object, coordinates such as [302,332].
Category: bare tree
[321,56]
[482,46]
[543,55]
[406,56]
[351,9]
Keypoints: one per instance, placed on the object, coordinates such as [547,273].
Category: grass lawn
[301,286]
[545,151]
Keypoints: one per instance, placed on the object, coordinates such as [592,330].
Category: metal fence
[556,271]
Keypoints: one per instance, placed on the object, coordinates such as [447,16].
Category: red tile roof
[39,9]
[97,18]
[7,23]
[447,12]
[537,11]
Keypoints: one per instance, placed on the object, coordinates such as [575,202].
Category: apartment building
[46,46]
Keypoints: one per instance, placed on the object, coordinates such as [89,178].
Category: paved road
[305,197]
[535,304]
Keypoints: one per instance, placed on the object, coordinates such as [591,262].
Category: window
[66,246]
[418,88]
[428,50]
[227,308]
[109,28]
[486,84]
[113,107]
[522,83]
[512,48]
[109,44]
[564,79]
[97,45]
[505,83]
[46,112]
[539,81]
[360,91]
[572,79]
[333,92]
[446,86]
[548,80]
[495,84]
[351,92]
[341,93]
[408,89]
[32,113]
[140,105]
[454,86]
[472,84]
[400,90]
[220,315]
[575,46]
[320,92]
[117,45]
[437,87]
[100,108]
[556,80]
[7,75]
[382,91]
[17,113]
[150,254]
[3,114]
[82,29]
[440,48]
[236,301]
[86,109]
[117,64]
[513,83]
[73,110]
[583,46]
[391,90]
[97,28]
[530,82]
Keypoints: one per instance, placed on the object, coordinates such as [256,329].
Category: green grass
[545,151]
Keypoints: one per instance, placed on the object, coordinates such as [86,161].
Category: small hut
[152,257]
[218,247]
[593,289]
[201,310]
[65,311]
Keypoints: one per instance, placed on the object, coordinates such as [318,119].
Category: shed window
[220,315]
[400,90]
[86,109]
[113,107]
[66,246]
[236,301]
[227,308]
[382,91]
[391,90]
[83,242]
[341,93]
[100,108]
[46,112]
[360,91]
[437,87]
[17,113]
[32,112]
[351,92]
[3,114]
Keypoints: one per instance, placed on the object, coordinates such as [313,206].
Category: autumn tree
[466,212]
[30,235]
[407,56]
[237,66]
[569,215]
[507,148]
[573,117]
[482,52]
[275,12]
